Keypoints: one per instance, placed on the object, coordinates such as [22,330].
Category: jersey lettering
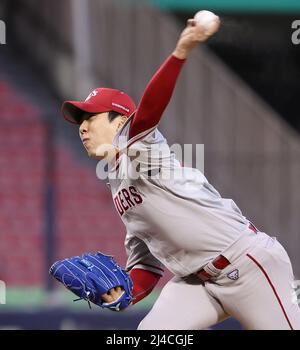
[126,199]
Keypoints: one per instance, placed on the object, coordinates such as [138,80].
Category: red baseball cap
[98,101]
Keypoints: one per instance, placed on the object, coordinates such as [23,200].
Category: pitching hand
[193,34]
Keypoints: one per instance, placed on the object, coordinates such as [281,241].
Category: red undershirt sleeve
[156,96]
[143,283]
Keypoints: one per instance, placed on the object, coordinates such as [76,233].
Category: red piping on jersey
[142,136]
[273,288]
[117,157]
[156,96]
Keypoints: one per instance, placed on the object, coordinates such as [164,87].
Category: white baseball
[206,19]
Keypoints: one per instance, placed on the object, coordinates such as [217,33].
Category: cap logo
[92,94]
[119,106]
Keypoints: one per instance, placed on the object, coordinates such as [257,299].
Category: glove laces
[82,298]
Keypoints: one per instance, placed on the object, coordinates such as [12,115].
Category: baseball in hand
[207,20]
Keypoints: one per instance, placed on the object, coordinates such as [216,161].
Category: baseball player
[222,264]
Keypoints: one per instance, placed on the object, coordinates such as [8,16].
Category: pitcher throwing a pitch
[222,264]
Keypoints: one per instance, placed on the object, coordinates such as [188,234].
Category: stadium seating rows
[84,219]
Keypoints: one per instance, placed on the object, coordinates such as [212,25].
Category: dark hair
[112,115]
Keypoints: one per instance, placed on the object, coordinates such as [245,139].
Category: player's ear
[122,121]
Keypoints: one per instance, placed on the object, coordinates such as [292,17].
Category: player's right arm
[160,88]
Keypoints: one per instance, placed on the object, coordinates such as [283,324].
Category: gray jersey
[173,216]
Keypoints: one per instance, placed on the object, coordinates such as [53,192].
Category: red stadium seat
[85,219]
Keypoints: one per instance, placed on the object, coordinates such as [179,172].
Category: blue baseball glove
[91,275]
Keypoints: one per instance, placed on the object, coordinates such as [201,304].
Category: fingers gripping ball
[90,276]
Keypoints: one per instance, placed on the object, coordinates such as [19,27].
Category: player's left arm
[143,268]
[143,282]
[159,90]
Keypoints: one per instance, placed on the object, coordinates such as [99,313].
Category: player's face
[96,133]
